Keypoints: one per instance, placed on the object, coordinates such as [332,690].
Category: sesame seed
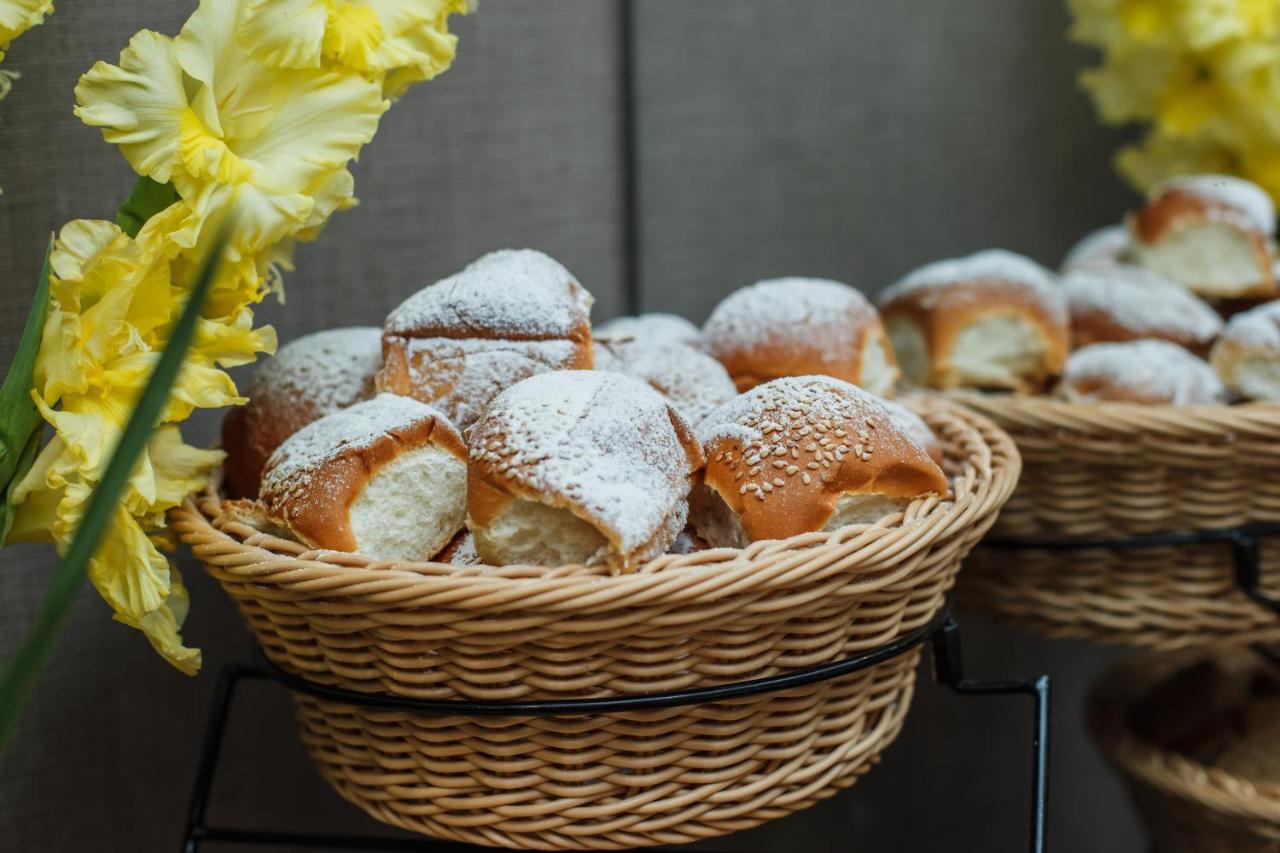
[812,466]
[768,487]
[737,476]
[840,433]
[756,471]
[806,478]
[795,454]
[743,490]
[753,459]
[791,469]
[778,463]
[780,451]
[778,481]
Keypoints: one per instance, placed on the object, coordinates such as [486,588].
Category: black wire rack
[942,634]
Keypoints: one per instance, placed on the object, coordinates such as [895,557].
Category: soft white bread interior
[385,478]
[990,320]
[1247,355]
[579,467]
[458,343]
[1148,371]
[802,454]
[1210,233]
[307,379]
[801,326]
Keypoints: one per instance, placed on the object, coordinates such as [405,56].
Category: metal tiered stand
[942,633]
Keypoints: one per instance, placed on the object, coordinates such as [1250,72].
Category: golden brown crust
[750,367]
[941,314]
[313,496]
[781,456]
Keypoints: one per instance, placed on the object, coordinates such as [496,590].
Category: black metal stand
[948,667]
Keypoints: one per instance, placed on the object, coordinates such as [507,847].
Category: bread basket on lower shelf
[1111,471]
[524,633]
[1186,805]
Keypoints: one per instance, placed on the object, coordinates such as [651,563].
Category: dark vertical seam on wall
[630,176]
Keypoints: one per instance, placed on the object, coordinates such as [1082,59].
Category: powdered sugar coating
[516,294]
[1141,301]
[1257,328]
[324,371]
[600,442]
[297,467]
[1109,245]
[1148,371]
[812,313]
[692,380]
[650,328]
[1229,191]
[947,279]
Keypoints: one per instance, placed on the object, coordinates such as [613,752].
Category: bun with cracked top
[692,380]
[801,326]
[803,454]
[385,478]
[460,342]
[579,467]
[1149,371]
[1127,303]
[307,379]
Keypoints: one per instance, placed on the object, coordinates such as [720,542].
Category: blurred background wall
[667,154]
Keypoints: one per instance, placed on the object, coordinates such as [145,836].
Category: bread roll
[1209,233]
[692,380]
[1127,303]
[308,378]
[1247,356]
[800,326]
[651,328]
[461,341]
[990,320]
[801,454]
[1106,246]
[579,467]
[385,478]
[1151,372]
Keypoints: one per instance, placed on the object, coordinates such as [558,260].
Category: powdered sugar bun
[1247,356]
[993,319]
[309,377]
[801,454]
[1152,372]
[651,328]
[1210,233]
[579,467]
[799,326]
[385,478]
[458,343]
[1126,303]
[1109,245]
[692,380]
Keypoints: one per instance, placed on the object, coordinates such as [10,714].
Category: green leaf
[23,670]
[19,417]
[25,460]
[147,199]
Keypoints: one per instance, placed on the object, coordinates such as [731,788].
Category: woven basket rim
[1169,772]
[1256,418]
[990,469]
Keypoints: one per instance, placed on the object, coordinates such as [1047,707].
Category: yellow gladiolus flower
[18,16]
[401,41]
[235,135]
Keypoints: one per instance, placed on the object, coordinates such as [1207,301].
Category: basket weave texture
[1185,806]
[1108,471]
[531,633]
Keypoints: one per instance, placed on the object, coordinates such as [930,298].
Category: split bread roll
[1210,233]
[650,328]
[1127,303]
[991,320]
[802,454]
[308,378]
[692,380]
[385,478]
[579,467]
[1247,356]
[1106,246]
[458,343]
[1150,372]
[801,326]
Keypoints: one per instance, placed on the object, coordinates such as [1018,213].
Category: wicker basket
[1109,471]
[1185,806]
[629,779]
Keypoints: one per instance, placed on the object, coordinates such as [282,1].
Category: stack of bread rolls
[487,424]
[1171,307]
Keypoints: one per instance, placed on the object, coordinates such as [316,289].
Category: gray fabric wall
[849,139]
